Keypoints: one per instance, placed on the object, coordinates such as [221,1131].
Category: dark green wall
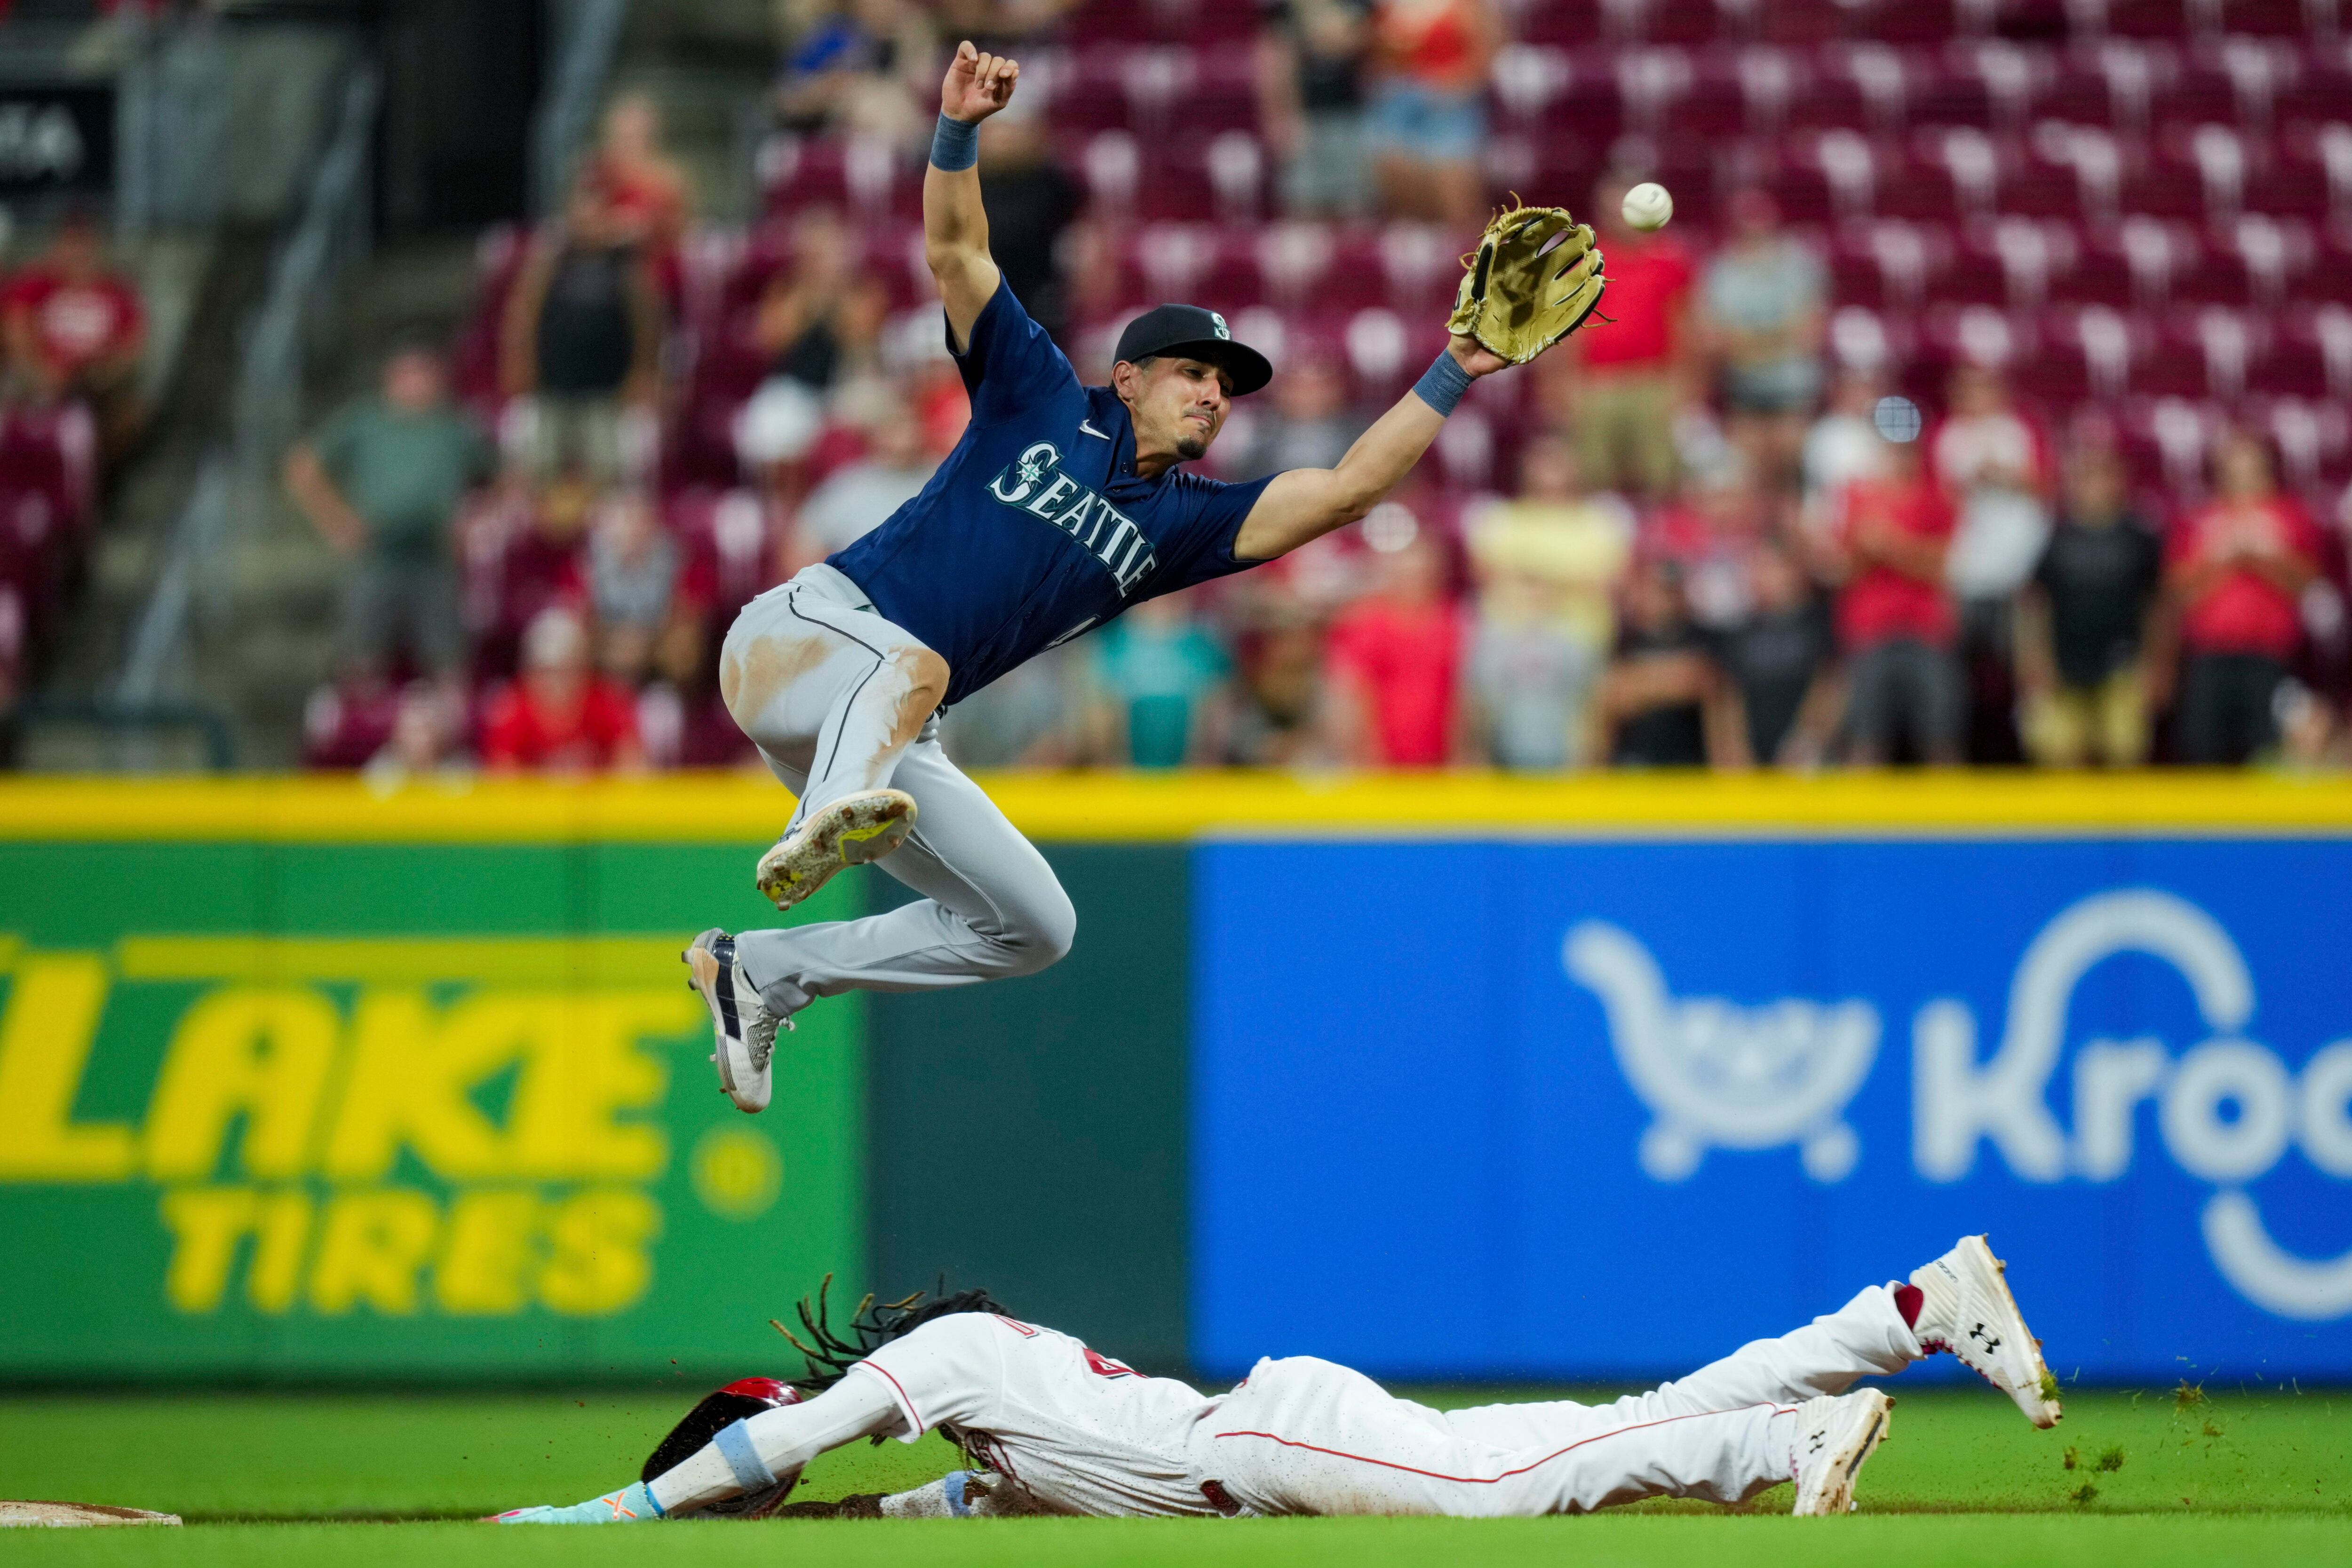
[1029,1135]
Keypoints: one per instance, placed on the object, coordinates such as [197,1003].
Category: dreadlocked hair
[830,1353]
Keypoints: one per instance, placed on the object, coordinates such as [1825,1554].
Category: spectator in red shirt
[560,717]
[1395,657]
[1427,121]
[650,198]
[75,329]
[1895,617]
[1622,378]
[2237,568]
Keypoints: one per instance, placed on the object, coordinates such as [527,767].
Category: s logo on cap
[1224,333]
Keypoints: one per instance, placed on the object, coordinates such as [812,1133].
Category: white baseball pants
[1303,1436]
[826,689]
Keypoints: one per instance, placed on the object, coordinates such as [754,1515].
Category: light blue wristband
[955,145]
[1442,385]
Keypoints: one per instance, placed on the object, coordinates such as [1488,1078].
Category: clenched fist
[977,84]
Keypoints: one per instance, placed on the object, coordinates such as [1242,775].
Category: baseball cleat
[740,1023]
[853,830]
[1965,1307]
[1835,1438]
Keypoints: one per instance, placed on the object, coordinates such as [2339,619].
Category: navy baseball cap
[1196,334]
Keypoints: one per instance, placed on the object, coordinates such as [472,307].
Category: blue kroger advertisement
[1545,1109]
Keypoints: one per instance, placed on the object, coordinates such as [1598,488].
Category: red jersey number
[1104,1366]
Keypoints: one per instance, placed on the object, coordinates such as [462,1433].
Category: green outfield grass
[1962,1479]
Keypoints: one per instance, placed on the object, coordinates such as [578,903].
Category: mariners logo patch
[1224,333]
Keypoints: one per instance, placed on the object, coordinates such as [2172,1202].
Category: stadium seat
[2314,442]
[345,724]
[1528,79]
[2167,441]
[1569,23]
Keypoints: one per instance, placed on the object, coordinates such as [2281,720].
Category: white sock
[764,1449]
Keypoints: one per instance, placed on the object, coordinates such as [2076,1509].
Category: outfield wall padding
[1459,1076]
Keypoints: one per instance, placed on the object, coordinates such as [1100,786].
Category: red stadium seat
[730,539]
[1107,21]
[2272,18]
[1085,92]
[344,725]
[2201,90]
[2321,155]
[2313,439]
[1981,335]
[1828,94]
[1686,22]
[2166,441]
[1890,264]
[1421,265]
[1528,81]
[1653,87]
[2330,276]
[1802,21]
[1922,21]
[2320,338]
[1572,23]
[1955,172]
[2143,18]
[2321,87]
[2218,353]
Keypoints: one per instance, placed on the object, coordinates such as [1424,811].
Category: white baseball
[1647,207]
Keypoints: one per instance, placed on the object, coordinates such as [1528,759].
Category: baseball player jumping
[1052,1426]
[1062,506]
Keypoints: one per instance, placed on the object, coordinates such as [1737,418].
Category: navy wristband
[955,146]
[1442,385]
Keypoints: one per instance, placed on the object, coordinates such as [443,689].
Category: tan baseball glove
[1517,299]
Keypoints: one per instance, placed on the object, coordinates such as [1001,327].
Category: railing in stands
[332,231]
[588,33]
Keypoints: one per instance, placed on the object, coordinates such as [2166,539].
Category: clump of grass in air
[2113,1459]
[2083,1495]
[2050,1385]
[2188,1396]
[2073,1456]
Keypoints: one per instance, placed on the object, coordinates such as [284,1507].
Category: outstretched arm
[1304,503]
[955,224]
[757,1452]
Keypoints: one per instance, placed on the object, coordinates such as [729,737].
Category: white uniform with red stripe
[1075,1431]
[1078,1433]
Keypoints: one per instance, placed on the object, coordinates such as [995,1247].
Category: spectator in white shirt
[855,499]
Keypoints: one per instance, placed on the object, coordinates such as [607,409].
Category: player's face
[1178,407]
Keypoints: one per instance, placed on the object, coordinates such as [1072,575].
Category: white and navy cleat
[853,830]
[1965,1307]
[740,1024]
[1835,1438]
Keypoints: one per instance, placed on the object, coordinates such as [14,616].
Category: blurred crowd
[1708,541]
[73,337]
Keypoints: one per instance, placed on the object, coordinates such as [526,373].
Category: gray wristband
[955,145]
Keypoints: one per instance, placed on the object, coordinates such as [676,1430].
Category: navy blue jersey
[1036,528]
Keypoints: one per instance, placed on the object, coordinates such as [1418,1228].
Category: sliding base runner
[1051,1427]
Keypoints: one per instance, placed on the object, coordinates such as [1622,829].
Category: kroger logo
[1716,1073]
